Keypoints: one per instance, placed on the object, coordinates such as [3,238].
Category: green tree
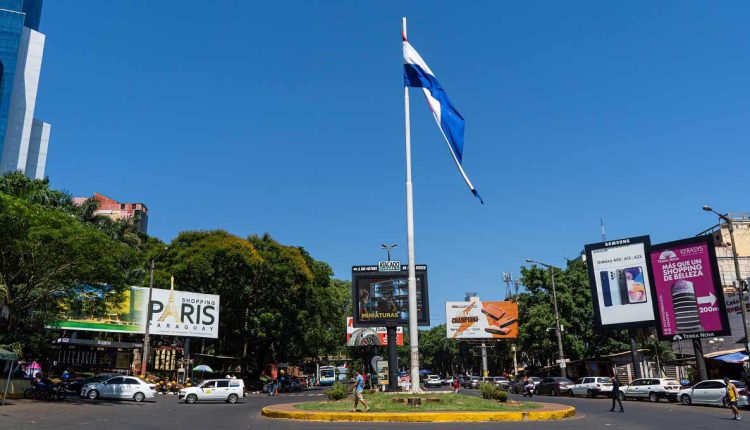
[277,302]
[537,335]
[45,254]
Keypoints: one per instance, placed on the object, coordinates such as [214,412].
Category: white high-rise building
[24,139]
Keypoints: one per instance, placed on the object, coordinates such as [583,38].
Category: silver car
[712,392]
[119,387]
[652,389]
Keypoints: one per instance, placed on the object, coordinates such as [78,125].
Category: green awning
[7,355]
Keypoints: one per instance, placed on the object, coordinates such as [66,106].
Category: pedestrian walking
[732,397]
[359,387]
[456,385]
[616,394]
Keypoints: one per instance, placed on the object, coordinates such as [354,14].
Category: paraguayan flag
[451,123]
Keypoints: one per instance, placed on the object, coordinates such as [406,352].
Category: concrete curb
[286,412]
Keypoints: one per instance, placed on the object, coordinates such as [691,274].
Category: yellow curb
[431,417]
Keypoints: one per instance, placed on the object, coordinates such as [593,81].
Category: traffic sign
[560,360]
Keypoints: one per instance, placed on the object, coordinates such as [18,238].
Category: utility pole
[741,286]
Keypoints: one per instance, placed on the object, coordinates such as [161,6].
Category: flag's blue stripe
[451,121]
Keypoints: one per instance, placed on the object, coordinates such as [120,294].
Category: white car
[712,392]
[650,388]
[119,387]
[591,386]
[227,390]
[432,381]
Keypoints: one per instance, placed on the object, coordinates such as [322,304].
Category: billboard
[381,298]
[689,300]
[620,282]
[173,313]
[366,336]
[481,320]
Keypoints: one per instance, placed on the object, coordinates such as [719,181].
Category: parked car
[591,386]
[226,390]
[651,388]
[288,385]
[433,381]
[119,387]
[712,392]
[501,382]
[517,385]
[77,385]
[471,382]
[303,383]
[554,386]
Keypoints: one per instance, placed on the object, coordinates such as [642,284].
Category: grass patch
[381,402]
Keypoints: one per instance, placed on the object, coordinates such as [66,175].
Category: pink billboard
[689,302]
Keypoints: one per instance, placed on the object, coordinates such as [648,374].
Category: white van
[228,390]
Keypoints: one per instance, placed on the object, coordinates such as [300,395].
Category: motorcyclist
[528,387]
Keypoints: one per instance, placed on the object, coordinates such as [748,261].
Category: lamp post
[557,315]
[388,249]
[740,286]
[144,358]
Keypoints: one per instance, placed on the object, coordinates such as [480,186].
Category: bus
[327,375]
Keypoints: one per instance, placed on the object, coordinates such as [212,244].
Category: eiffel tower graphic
[169,310]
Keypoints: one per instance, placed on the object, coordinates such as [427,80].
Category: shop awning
[735,357]
[7,355]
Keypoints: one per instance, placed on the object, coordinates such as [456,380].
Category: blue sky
[287,118]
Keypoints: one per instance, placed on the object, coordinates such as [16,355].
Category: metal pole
[7,382]
[558,328]
[485,372]
[515,358]
[144,358]
[392,359]
[740,288]
[413,330]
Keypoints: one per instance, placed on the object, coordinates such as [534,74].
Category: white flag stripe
[411,56]
[460,168]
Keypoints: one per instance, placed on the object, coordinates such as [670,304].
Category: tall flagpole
[413,330]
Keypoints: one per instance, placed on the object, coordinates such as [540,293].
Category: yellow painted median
[549,411]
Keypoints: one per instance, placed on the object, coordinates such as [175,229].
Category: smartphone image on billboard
[622,286]
[606,294]
[610,288]
[636,286]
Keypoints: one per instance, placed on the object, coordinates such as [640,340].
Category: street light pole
[144,357]
[740,286]
[388,249]
[557,316]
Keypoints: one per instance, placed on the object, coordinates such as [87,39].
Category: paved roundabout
[548,411]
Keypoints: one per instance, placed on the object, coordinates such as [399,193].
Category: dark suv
[554,386]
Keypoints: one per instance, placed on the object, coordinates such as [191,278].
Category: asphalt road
[167,413]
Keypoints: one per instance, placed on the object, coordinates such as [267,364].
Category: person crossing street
[616,394]
[732,397]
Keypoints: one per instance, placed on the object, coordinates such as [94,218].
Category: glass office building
[23,138]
